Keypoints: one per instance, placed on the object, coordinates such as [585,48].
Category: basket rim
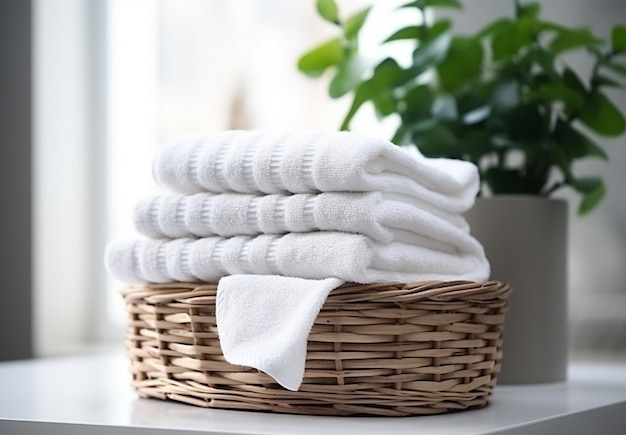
[348,292]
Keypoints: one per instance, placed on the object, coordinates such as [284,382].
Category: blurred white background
[114,79]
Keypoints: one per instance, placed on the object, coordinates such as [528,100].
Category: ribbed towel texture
[311,162]
[281,219]
[351,257]
[375,214]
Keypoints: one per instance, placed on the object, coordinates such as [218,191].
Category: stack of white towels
[279,220]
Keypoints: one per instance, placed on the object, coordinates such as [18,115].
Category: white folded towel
[382,216]
[319,255]
[311,162]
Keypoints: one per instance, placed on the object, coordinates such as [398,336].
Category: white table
[90,395]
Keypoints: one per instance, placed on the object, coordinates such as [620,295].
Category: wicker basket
[382,349]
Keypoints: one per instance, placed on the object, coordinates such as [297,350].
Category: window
[117,78]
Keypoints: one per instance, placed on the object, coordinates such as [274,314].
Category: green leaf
[573,39]
[416,32]
[508,40]
[563,161]
[422,4]
[461,65]
[430,53]
[586,184]
[474,96]
[354,23]
[553,27]
[530,10]
[593,191]
[453,4]
[526,124]
[386,76]
[575,144]
[602,116]
[434,139]
[537,56]
[504,42]
[439,28]
[496,26]
[328,10]
[555,92]
[617,67]
[348,76]
[419,101]
[410,32]
[477,143]
[618,39]
[401,136]
[505,181]
[602,80]
[317,60]
[505,95]
[384,103]
[573,82]
[444,108]
[362,94]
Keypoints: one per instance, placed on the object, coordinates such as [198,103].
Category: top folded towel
[311,162]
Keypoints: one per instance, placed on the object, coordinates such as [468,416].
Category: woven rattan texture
[382,349]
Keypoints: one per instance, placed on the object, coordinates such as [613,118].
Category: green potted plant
[505,99]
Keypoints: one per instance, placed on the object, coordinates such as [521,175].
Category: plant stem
[554,188]
[518,8]
[501,158]
[596,68]
[423,27]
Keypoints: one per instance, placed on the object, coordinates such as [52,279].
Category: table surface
[93,391]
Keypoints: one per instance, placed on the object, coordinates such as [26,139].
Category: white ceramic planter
[525,239]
